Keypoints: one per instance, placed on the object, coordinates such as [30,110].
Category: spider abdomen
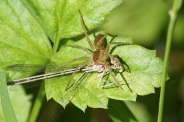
[98,57]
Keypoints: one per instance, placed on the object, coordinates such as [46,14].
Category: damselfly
[19,67]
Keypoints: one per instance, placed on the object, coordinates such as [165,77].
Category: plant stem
[173,14]
[37,105]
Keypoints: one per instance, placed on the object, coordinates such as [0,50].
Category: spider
[101,60]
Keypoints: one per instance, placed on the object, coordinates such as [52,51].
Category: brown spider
[101,60]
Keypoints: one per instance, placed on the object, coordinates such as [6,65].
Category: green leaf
[145,72]
[60,19]
[21,38]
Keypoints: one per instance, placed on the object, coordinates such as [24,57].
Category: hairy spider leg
[100,76]
[112,74]
[115,43]
[82,48]
[112,57]
[73,74]
[71,61]
[98,44]
[74,91]
[85,30]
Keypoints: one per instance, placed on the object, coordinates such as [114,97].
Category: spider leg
[81,78]
[100,76]
[67,86]
[85,30]
[82,48]
[110,84]
[112,57]
[115,43]
[76,71]
[121,68]
[112,74]
[71,61]
[74,91]
[101,80]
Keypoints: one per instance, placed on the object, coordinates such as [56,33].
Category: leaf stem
[173,14]
[37,105]
[56,44]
